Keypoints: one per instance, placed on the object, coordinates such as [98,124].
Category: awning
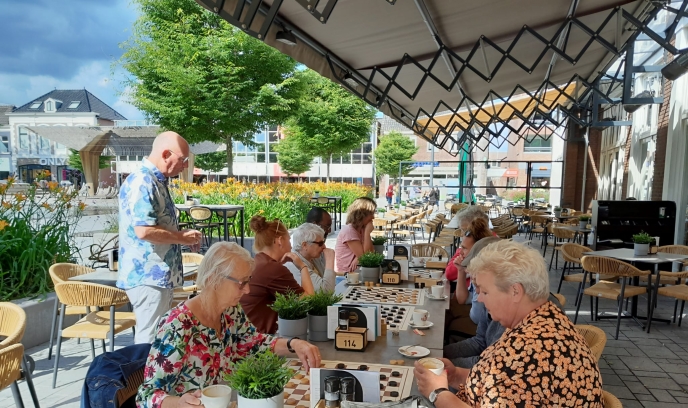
[541,170]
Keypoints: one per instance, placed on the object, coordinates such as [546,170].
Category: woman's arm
[462,293]
[356,247]
[428,382]
[308,353]
[366,239]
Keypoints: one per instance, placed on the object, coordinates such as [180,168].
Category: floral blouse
[541,362]
[186,354]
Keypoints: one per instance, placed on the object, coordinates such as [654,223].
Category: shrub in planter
[583,220]
[370,266]
[641,243]
[379,244]
[292,313]
[259,379]
[317,315]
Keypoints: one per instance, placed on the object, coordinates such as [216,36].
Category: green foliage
[260,375]
[213,162]
[36,231]
[290,305]
[111,222]
[74,161]
[370,259]
[292,158]
[584,217]
[519,194]
[194,73]
[392,150]
[643,238]
[320,300]
[379,240]
[330,121]
[557,208]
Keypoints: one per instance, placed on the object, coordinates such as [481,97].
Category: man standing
[150,257]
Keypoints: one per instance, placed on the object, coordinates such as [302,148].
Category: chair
[95,325]
[11,360]
[595,337]
[201,218]
[611,290]
[572,254]
[561,298]
[610,401]
[132,388]
[231,219]
[12,327]
[182,224]
[428,251]
[99,252]
[677,291]
[560,235]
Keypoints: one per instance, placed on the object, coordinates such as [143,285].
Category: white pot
[641,249]
[275,402]
[557,213]
[370,274]
[583,224]
[317,328]
[380,249]
[292,328]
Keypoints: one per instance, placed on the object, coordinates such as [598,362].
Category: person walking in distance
[150,256]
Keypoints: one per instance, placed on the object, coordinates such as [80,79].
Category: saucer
[427,325]
[431,297]
[352,284]
[414,351]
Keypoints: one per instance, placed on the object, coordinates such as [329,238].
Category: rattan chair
[611,290]
[202,221]
[572,254]
[561,298]
[95,325]
[428,251]
[610,401]
[677,292]
[134,381]
[595,337]
[12,327]
[11,360]
[561,237]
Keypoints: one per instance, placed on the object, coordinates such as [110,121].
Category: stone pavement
[641,369]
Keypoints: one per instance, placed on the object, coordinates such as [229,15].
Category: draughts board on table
[384,295]
[396,317]
[297,393]
[423,273]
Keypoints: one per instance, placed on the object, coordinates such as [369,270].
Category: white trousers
[149,303]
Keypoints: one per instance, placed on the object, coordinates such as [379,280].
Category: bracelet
[305,267]
[291,350]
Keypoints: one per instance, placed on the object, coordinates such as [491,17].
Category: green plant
[370,260]
[320,300]
[557,208]
[381,210]
[379,240]
[111,223]
[258,376]
[584,217]
[290,305]
[643,238]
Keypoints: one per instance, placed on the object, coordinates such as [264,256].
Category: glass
[184,159]
[241,284]
[318,243]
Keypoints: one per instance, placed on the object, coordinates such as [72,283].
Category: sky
[65,44]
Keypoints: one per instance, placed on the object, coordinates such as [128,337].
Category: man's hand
[427,380]
[329,258]
[190,399]
[308,354]
[191,238]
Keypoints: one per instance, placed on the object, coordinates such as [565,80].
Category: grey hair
[470,213]
[219,262]
[513,263]
[306,233]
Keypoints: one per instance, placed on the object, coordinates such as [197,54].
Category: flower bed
[290,202]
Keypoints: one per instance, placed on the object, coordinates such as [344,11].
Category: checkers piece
[383,377]
[290,385]
[363,367]
[394,394]
[291,401]
[396,373]
[298,376]
[393,384]
[341,366]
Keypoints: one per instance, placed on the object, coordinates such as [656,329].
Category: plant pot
[583,224]
[293,328]
[275,402]
[317,328]
[370,274]
[380,249]
[557,213]
[641,249]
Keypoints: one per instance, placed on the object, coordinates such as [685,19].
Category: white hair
[470,213]
[219,262]
[306,233]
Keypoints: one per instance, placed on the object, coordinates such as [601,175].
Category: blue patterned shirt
[144,200]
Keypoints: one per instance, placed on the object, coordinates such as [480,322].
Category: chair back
[200,213]
[428,250]
[323,200]
[573,252]
[674,249]
[10,364]
[61,272]
[561,298]
[609,266]
[12,323]
[561,233]
[134,381]
[189,257]
[610,401]
[595,337]
[89,294]
[379,222]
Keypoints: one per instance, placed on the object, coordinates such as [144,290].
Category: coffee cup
[420,317]
[216,396]
[436,274]
[352,278]
[433,364]
[437,291]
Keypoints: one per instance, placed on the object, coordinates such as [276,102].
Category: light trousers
[149,304]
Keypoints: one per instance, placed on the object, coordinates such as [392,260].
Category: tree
[196,74]
[74,161]
[330,120]
[214,161]
[291,158]
[392,150]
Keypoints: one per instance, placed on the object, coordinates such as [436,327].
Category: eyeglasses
[467,233]
[318,243]
[184,159]
[241,284]
[326,227]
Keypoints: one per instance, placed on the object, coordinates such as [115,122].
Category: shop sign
[53,161]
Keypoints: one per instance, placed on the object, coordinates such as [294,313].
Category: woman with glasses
[309,244]
[273,250]
[197,340]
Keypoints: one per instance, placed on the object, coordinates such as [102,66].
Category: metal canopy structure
[418,59]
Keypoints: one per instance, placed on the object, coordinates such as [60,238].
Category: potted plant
[292,314]
[316,194]
[641,243]
[583,220]
[379,244]
[317,315]
[557,211]
[259,380]
[370,266]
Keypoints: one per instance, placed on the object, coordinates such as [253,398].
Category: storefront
[29,170]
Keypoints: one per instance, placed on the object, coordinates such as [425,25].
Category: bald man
[150,256]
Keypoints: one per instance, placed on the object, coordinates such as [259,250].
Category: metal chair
[202,221]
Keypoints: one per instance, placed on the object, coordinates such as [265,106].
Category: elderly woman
[354,238]
[308,242]
[273,249]
[539,360]
[197,340]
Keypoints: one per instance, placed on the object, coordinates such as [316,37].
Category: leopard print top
[541,362]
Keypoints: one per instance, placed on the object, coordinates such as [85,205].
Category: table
[579,231]
[105,276]
[223,208]
[336,203]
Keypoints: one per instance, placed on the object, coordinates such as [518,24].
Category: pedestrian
[150,256]
[390,194]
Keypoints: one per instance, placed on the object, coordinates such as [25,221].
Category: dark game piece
[396,374]
[363,367]
[381,386]
[394,394]
[393,325]
[383,377]
[393,384]
[341,366]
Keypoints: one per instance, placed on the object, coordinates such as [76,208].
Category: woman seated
[309,243]
[354,238]
[539,360]
[474,229]
[197,340]
[271,276]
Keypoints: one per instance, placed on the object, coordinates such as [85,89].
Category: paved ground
[641,369]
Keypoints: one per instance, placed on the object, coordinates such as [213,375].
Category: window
[74,105]
[49,106]
[44,145]
[4,142]
[23,139]
[538,144]
[35,105]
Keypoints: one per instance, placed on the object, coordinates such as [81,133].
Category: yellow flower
[47,207]
[6,205]
[3,224]
[20,197]
[53,185]
[82,205]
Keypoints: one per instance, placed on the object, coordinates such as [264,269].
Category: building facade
[5,146]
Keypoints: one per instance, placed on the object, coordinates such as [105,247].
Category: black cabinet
[615,222]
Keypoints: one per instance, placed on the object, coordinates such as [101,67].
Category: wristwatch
[291,350]
[433,395]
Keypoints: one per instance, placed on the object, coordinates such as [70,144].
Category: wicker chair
[595,337]
[95,325]
[611,290]
[428,251]
[561,236]
[99,251]
[561,298]
[610,401]
[12,327]
[11,360]
[134,381]
[677,292]
[202,221]
[572,254]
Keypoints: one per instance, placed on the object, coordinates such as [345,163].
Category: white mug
[420,317]
[437,291]
[436,274]
[352,277]
[216,396]
[435,365]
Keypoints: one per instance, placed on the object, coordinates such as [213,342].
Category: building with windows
[30,153]
[5,152]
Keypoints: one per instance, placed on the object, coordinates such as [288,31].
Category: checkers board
[397,381]
[384,295]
